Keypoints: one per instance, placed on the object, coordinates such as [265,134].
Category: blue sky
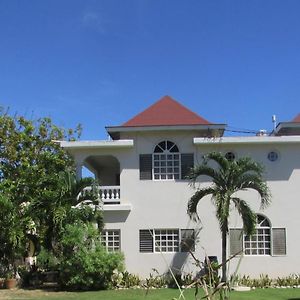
[101,62]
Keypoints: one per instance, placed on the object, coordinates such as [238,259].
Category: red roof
[296,119]
[166,111]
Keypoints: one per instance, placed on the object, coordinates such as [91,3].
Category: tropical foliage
[228,177]
[84,263]
[34,184]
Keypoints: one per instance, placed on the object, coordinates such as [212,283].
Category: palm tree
[228,177]
[53,212]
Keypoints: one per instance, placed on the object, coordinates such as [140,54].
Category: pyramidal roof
[296,119]
[166,111]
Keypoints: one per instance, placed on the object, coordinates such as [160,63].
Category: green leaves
[31,164]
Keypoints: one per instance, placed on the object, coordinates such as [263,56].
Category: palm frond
[246,164]
[219,158]
[247,214]
[194,200]
[222,203]
[263,190]
[201,170]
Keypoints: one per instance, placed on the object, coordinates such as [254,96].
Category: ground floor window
[167,240]
[260,242]
[111,239]
[266,240]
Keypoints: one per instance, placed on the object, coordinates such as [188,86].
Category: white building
[142,172]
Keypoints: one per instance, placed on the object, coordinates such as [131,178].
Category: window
[166,161]
[167,240]
[111,239]
[272,156]
[265,240]
[260,242]
[230,156]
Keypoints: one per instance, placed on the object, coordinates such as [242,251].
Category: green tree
[228,177]
[54,212]
[30,163]
[30,157]
[14,224]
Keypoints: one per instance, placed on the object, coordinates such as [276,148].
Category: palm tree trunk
[224,255]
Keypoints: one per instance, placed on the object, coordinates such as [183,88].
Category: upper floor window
[166,161]
[230,156]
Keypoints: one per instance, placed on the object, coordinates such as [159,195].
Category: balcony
[110,197]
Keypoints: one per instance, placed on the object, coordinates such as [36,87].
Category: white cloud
[93,20]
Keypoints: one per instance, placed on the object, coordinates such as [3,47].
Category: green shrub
[125,280]
[46,261]
[85,264]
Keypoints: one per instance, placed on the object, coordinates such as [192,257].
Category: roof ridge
[166,111]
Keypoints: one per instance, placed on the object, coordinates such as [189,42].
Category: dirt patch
[20,294]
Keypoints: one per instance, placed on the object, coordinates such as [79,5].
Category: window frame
[157,248]
[267,239]
[174,162]
[105,239]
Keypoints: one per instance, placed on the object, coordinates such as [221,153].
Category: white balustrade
[108,194]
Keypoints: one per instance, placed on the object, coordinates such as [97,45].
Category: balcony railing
[107,194]
[110,194]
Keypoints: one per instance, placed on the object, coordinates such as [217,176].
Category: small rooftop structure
[289,128]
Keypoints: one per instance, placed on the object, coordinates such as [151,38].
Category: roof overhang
[247,140]
[208,130]
[96,144]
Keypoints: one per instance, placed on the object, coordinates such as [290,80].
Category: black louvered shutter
[146,166]
[187,242]
[278,241]
[146,240]
[236,241]
[187,162]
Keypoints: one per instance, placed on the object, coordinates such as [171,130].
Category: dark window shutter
[279,241]
[146,240]
[145,166]
[187,240]
[236,241]
[187,162]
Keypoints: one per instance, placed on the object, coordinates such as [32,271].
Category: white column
[79,170]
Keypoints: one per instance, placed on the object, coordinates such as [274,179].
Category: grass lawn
[168,294]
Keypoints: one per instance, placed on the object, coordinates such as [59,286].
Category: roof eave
[247,140]
[96,144]
[116,130]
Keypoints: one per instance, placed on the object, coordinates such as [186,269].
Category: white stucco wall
[163,204]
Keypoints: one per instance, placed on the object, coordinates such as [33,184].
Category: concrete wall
[163,204]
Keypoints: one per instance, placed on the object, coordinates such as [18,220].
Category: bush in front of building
[85,264]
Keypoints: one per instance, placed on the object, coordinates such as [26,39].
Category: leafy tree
[228,177]
[55,212]
[30,159]
[30,163]
[14,224]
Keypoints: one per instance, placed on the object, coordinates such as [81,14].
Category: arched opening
[106,169]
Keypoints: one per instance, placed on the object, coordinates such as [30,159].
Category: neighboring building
[143,187]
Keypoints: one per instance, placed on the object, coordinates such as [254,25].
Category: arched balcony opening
[106,169]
